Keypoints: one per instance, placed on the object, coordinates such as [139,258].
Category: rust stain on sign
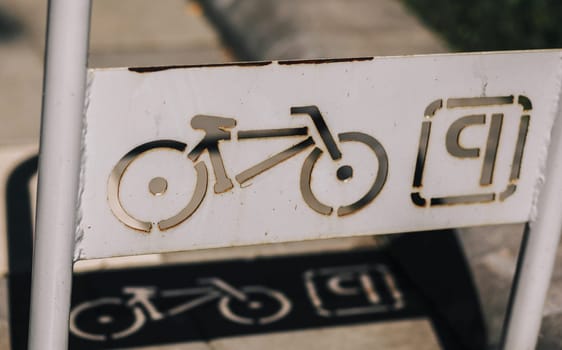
[249,64]
[162,68]
[326,60]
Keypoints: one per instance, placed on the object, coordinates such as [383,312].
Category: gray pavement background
[141,32]
[123,33]
[297,29]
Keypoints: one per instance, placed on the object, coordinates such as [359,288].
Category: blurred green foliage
[494,24]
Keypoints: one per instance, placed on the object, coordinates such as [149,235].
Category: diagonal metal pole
[538,254]
[59,168]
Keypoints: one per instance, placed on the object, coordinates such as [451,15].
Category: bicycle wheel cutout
[345,173]
[157,186]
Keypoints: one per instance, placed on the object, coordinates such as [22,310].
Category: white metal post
[537,256]
[59,167]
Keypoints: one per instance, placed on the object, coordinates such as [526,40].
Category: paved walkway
[140,32]
[297,29]
[124,33]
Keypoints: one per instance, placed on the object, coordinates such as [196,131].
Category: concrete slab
[182,346]
[4,317]
[303,29]
[129,25]
[21,77]
[140,33]
[123,33]
[396,335]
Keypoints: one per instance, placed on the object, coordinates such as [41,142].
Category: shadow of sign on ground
[208,301]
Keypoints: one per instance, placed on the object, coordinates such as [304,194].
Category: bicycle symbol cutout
[217,130]
[120,317]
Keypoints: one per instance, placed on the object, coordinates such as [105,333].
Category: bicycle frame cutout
[217,130]
[140,305]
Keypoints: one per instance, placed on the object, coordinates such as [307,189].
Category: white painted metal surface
[59,169]
[434,142]
[538,252]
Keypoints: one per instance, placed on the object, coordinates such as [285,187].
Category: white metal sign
[183,158]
